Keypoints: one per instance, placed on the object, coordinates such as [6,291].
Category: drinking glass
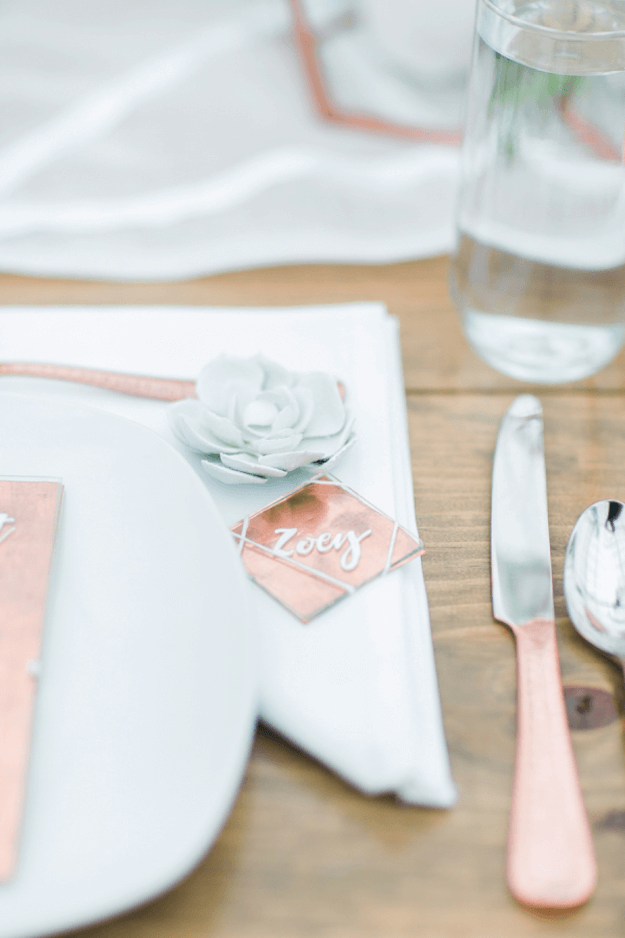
[538,270]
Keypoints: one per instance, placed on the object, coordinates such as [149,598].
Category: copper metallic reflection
[29,513]
[319,544]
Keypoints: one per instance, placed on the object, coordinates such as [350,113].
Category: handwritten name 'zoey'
[323,543]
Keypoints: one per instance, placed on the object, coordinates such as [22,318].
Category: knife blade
[550,861]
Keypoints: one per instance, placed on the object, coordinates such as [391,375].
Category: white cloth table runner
[173,138]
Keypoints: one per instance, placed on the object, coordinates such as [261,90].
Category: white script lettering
[285,535]
[323,543]
[351,557]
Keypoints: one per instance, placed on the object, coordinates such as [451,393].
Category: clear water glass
[538,271]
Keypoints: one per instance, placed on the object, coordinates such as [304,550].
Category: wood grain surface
[302,854]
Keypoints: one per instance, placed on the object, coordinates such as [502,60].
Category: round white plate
[147,696]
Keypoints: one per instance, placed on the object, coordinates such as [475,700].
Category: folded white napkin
[163,139]
[356,687]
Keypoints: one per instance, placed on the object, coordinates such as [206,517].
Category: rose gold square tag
[319,544]
[29,511]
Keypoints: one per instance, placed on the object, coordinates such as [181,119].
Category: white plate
[147,696]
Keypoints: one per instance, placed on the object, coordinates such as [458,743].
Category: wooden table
[302,854]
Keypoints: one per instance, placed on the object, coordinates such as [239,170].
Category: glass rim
[565,34]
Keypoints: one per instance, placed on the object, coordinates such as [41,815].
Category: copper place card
[319,544]
[29,510]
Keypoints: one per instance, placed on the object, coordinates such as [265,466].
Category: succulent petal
[223,378]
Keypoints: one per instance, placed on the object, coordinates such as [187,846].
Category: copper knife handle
[550,857]
[161,389]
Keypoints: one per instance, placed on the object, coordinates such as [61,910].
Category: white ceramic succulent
[253,420]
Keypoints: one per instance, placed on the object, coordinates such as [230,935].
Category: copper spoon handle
[551,860]
[161,389]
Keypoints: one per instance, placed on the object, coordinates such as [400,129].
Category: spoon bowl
[594,577]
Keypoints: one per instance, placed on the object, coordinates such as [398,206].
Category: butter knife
[550,856]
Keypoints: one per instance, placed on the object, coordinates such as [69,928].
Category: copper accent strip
[306,45]
[550,857]
[159,389]
[587,133]
[162,389]
[25,559]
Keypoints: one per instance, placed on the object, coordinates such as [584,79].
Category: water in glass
[539,266]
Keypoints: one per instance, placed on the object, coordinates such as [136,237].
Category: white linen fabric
[356,687]
[164,139]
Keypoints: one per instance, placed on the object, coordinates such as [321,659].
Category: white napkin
[164,139]
[356,687]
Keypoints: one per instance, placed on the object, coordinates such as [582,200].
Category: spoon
[594,577]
